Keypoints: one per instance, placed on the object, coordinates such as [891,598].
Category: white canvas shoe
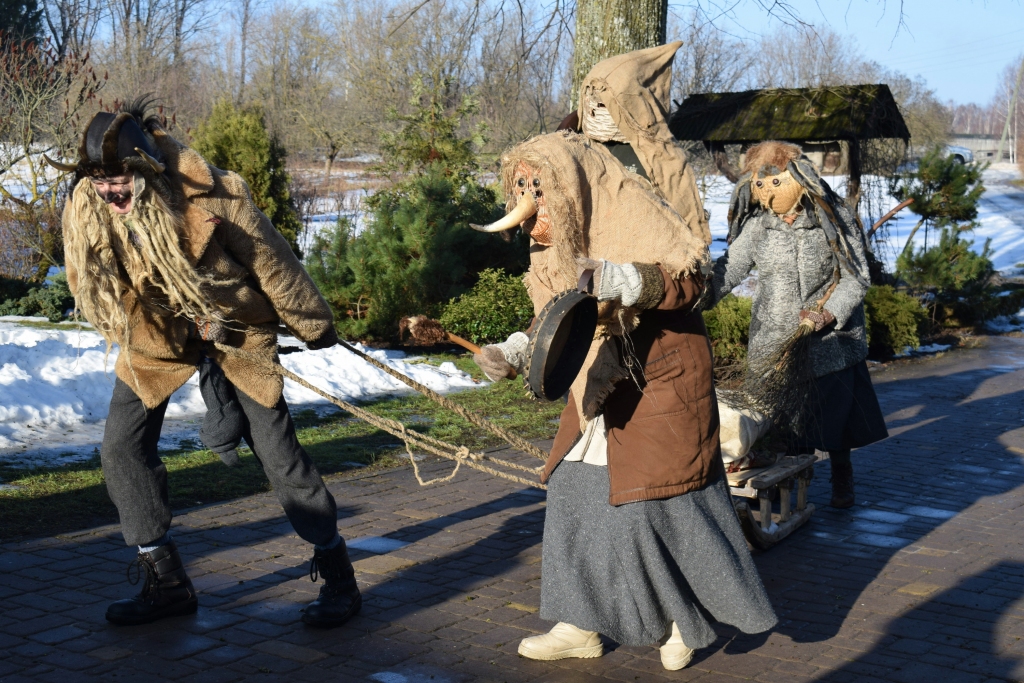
[674,653]
[562,642]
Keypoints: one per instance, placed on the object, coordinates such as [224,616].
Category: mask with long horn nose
[530,210]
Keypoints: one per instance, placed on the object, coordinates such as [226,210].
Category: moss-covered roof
[848,112]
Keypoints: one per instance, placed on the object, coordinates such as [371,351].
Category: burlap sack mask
[596,209]
[635,89]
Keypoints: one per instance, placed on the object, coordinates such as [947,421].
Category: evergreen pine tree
[238,140]
[946,195]
[418,251]
[20,20]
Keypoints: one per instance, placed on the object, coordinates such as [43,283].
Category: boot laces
[141,565]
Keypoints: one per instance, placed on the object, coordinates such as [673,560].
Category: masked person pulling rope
[640,537]
[811,262]
[167,255]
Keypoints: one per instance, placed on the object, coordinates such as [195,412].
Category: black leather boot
[339,598]
[167,592]
[842,485]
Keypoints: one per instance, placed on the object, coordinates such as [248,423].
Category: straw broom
[781,384]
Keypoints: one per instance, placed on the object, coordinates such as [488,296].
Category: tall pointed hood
[635,88]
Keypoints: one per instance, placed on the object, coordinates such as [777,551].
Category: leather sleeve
[682,292]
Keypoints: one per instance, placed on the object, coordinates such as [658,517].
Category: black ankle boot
[842,485]
[167,592]
[339,598]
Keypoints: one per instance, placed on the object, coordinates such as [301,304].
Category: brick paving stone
[922,581]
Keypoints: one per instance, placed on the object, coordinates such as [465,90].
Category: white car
[960,154]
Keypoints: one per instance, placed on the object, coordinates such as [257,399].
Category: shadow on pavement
[965,617]
[945,455]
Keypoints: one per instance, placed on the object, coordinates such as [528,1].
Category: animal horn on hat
[157,166]
[525,208]
[67,168]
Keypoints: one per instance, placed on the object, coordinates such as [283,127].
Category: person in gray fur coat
[786,222]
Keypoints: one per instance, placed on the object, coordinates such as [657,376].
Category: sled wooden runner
[765,528]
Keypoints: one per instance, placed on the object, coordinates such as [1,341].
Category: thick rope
[460,454]
[512,439]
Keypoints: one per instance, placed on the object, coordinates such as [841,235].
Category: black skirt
[843,414]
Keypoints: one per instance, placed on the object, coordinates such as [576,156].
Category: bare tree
[71,25]
[44,97]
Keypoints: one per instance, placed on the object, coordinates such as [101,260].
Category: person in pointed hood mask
[170,259]
[641,542]
[811,261]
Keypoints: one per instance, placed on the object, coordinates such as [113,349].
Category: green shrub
[894,321]
[497,306]
[957,278]
[12,288]
[238,140]
[51,301]
[728,326]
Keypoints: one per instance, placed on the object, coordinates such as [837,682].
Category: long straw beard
[139,253]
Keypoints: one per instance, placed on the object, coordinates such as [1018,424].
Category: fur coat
[227,237]
[795,267]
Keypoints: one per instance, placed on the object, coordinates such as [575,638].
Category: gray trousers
[137,478]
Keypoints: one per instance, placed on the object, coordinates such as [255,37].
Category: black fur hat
[120,142]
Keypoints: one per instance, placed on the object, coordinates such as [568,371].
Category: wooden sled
[764,528]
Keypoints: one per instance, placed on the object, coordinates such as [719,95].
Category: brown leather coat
[225,235]
[662,435]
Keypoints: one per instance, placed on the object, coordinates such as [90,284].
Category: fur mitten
[208,330]
[504,360]
[326,340]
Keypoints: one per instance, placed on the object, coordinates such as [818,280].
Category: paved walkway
[922,581]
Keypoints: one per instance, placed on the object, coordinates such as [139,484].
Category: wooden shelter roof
[847,112]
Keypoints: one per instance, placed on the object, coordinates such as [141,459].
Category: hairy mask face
[779,193]
[538,226]
[116,191]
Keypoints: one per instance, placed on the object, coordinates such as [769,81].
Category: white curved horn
[525,208]
[67,168]
[157,166]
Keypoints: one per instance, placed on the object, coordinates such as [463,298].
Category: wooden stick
[899,207]
[468,345]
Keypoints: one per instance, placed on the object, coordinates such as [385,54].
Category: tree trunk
[605,28]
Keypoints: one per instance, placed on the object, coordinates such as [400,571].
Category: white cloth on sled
[739,429]
[592,448]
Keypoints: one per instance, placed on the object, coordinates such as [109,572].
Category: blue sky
[959,46]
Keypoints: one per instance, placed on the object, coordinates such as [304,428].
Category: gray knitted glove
[614,280]
[634,284]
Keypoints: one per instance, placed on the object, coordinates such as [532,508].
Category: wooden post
[801,493]
[854,169]
[765,508]
[784,490]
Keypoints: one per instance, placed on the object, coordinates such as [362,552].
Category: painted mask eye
[759,183]
[775,181]
[536,182]
[521,182]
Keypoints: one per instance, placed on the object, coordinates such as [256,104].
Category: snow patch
[56,384]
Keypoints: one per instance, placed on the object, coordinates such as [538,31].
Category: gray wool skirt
[629,571]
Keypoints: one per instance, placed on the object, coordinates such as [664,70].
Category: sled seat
[765,528]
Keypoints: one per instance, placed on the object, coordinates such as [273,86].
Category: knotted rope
[460,454]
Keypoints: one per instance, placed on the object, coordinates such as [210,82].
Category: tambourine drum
[559,343]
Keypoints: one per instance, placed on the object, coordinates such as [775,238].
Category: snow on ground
[55,387]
